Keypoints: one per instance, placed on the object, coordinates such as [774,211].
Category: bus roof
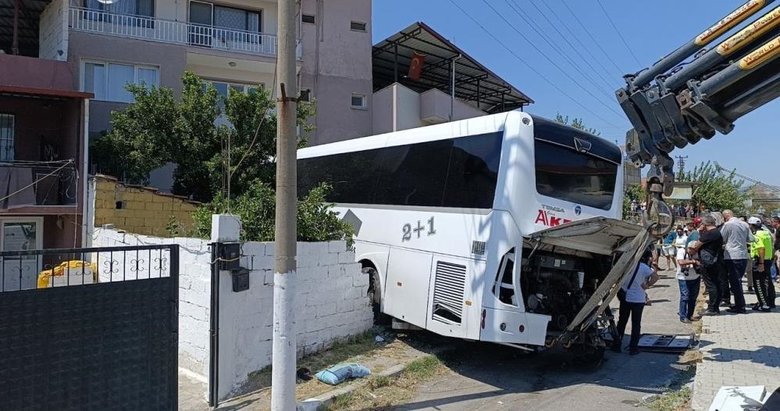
[460,128]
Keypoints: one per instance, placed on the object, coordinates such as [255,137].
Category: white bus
[450,222]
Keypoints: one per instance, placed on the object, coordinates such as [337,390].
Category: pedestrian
[710,252]
[736,236]
[632,298]
[668,250]
[689,282]
[776,266]
[761,254]
[693,230]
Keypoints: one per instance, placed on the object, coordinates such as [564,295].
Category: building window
[357,26]
[6,137]
[143,8]
[359,101]
[307,18]
[232,18]
[108,81]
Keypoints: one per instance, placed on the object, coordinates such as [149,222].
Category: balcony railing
[173,32]
[26,184]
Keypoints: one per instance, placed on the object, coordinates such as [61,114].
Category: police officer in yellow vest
[761,254]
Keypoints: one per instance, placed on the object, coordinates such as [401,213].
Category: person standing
[776,266]
[689,282]
[632,298]
[668,250]
[761,254]
[736,236]
[710,250]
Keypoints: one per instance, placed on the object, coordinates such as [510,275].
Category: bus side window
[504,287]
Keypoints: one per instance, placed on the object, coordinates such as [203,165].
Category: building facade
[42,162]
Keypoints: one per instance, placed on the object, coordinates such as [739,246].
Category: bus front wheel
[375,296]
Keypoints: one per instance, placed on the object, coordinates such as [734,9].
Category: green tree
[256,207]
[158,129]
[715,190]
[576,123]
[633,192]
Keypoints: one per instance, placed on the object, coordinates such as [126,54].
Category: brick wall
[140,210]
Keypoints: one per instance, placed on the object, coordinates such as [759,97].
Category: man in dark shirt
[711,244]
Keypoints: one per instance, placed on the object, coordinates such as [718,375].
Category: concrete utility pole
[283,374]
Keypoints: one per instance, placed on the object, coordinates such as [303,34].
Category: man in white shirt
[736,236]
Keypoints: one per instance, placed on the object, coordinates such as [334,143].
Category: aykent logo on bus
[549,216]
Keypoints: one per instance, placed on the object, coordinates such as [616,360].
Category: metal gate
[89,329]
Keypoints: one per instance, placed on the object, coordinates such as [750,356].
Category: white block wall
[53,31]
[330,304]
[330,301]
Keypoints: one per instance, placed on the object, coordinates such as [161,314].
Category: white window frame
[106,63]
[38,229]
[363,98]
[12,137]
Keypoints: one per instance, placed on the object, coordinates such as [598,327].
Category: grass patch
[423,368]
[678,400]
[384,392]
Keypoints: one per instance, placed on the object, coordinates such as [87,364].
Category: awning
[474,83]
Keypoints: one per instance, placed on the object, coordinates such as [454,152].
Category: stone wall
[141,210]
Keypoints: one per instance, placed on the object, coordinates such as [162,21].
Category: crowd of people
[718,249]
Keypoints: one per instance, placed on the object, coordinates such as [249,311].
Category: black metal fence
[93,328]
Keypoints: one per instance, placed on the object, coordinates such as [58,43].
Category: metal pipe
[755,97]
[755,33]
[15,41]
[452,87]
[741,68]
[727,23]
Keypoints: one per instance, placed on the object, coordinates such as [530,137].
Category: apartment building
[231,43]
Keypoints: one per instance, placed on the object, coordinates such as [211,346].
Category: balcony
[174,32]
[27,185]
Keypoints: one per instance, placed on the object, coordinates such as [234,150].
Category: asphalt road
[493,377]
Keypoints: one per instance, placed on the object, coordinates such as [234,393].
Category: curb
[322,401]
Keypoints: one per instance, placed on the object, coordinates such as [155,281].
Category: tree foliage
[158,129]
[632,193]
[211,139]
[714,190]
[256,208]
[576,123]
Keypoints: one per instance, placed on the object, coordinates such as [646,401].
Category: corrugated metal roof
[474,83]
[27,25]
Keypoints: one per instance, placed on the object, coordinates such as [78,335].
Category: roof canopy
[28,14]
[474,83]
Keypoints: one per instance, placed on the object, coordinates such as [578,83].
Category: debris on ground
[341,372]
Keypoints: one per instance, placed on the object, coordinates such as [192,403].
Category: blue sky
[651,29]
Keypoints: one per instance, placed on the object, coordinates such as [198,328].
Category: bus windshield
[574,166]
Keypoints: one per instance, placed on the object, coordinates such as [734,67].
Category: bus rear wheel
[375,296]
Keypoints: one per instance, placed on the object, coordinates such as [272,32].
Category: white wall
[330,300]
[53,31]
[397,107]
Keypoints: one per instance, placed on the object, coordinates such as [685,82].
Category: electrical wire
[537,72]
[614,27]
[610,84]
[564,56]
[596,42]
[502,17]
[35,182]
